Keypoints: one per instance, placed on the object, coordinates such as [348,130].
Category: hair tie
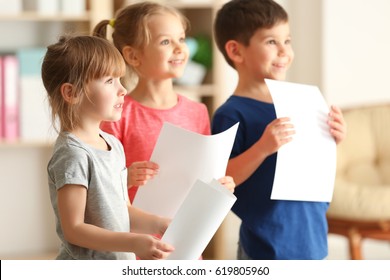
[111,22]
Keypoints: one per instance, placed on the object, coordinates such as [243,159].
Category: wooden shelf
[16,144]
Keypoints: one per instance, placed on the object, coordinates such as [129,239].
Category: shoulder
[231,106]
[68,154]
[192,107]
[185,101]
[69,149]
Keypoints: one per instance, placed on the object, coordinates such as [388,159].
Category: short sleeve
[69,165]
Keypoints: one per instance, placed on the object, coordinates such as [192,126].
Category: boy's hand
[276,134]
[149,247]
[140,172]
[338,127]
[228,183]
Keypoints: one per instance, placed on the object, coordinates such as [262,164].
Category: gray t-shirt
[104,175]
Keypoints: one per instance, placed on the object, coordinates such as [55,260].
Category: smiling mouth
[118,106]
[177,61]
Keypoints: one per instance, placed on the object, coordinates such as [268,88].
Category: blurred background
[340,46]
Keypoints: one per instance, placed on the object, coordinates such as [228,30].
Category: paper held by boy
[186,188]
[306,166]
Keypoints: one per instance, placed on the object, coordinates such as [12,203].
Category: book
[1,99]
[8,7]
[35,118]
[10,100]
[73,7]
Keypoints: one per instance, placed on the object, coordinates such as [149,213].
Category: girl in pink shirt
[151,38]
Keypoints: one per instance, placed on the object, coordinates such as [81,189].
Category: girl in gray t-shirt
[87,174]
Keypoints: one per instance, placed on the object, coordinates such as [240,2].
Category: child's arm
[71,206]
[140,172]
[338,127]
[276,134]
[143,222]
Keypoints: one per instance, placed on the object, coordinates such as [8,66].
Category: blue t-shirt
[270,229]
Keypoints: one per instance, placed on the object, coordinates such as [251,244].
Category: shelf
[25,144]
[34,16]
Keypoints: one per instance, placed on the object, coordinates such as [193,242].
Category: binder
[35,117]
[1,99]
[10,100]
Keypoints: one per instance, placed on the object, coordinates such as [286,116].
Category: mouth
[176,61]
[279,65]
[118,106]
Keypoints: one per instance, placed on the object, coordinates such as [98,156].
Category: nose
[122,90]
[179,47]
[282,50]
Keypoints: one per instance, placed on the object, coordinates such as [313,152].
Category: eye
[288,42]
[164,42]
[272,42]
[109,80]
[182,40]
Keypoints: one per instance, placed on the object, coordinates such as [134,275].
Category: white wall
[342,46]
[356,44]
[26,216]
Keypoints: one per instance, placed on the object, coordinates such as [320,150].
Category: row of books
[24,111]
[46,7]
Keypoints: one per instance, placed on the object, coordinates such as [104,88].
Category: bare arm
[143,222]
[71,205]
[276,134]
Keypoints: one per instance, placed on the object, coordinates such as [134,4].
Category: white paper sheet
[184,157]
[305,167]
[197,219]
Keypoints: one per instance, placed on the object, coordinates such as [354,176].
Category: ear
[131,56]
[233,50]
[68,93]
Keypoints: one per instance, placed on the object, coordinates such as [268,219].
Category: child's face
[105,100]
[167,53]
[269,54]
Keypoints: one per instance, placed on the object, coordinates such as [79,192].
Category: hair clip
[111,22]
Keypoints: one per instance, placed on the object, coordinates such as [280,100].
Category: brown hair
[76,60]
[240,19]
[131,24]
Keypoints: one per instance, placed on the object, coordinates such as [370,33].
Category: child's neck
[157,95]
[257,91]
[90,135]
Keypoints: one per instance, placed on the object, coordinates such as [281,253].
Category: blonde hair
[76,60]
[131,25]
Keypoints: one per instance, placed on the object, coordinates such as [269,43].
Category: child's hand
[276,134]
[140,172]
[228,183]
[338,127]
[148,247]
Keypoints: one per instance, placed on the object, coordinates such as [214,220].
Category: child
[151,38]
[87,173]
[254,37]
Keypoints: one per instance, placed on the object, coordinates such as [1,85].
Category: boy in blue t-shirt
[254,37]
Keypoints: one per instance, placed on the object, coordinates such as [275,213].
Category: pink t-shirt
[139,127]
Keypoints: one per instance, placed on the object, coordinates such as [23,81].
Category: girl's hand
[338,127]
[228,183]
[140,172]
[148,247]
